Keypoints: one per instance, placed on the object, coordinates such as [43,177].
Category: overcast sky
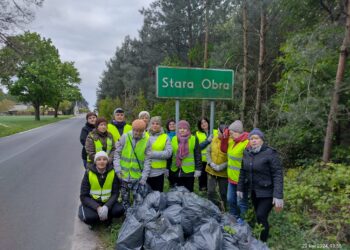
[88,33]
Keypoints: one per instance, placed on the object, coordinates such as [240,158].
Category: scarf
[242,137]
[171,134]
[182,150]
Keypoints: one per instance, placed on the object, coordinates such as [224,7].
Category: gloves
[210,138]
[215,167]
[166,173]
[278,204]
[240,195]
[119,175]
[142,181]
[226,133]
[103,212]
[197,173]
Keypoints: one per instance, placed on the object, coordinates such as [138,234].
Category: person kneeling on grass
[99,192]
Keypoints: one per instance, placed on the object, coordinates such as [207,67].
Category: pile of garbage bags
[182,220]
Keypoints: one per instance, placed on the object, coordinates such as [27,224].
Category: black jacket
[85,197]
[83,134]
[262,172]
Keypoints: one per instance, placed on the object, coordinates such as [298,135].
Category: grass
[14,124]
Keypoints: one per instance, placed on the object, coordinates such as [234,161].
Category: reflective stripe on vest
[99,147]
[101,193]
[188,165]
[234,159]
[128,162]
[159,145]
[115,132]
[201,138]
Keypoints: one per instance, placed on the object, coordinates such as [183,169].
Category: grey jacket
[118,152]
[159,155]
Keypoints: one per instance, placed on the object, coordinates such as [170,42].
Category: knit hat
[100,154]
[100,120]
[143,113]
[183,124]
[257,132]
[90,114]
[118,110]
[156,119]
[236,126]
[138,124]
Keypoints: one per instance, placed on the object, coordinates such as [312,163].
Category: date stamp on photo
[321,246]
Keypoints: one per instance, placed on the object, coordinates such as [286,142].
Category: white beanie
[236,126]
[100,154]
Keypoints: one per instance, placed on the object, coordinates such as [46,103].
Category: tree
[34,75]
[344,51]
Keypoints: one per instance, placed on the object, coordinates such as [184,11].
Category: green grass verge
[14,124]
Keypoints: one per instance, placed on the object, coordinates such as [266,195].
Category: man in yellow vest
[130,160]
[118,126]
[99,192]
[236,146]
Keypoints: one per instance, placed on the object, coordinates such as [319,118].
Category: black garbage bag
[257,245]
[141,192]
[145,214]
[174,197]
[229,242]
[131,234]
[156,200]
[196,211]
[181,189]
[173,214]
[160,234]
[207,237]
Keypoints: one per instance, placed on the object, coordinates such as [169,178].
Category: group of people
[120,158]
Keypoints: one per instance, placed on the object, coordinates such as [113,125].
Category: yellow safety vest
[115,133]
[99,147]
[128,162]
[218,157]
[159,145]
[234,157]
[187,165]
[201,138]
[96,191]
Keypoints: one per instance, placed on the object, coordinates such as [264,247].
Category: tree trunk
[261,65]
[190,35]
[327,147]
[245,59]
[56,109]
[37,111]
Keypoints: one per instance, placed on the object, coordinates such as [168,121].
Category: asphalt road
[40,176]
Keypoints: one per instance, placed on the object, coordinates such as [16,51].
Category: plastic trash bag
[174,197]
[228,242]
[160,234]
[131,234]
[207,237]
[141,192]
[257,245]
[156,200]
[173,214]
[145,214]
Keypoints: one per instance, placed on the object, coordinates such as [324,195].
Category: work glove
[210,138]
[100,212]
[278,204]
[104,213]
[226,133]
[197,173]
[166,173]
[239,195]
[216,167]
[142,181]
[119,175]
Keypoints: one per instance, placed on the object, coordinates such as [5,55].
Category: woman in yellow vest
[118,126]
[204,140]
[98,140]
[216,168]
[186,158]
[99,192]
[236,146]
[160,151]
[130,160]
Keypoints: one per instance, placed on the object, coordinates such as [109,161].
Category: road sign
[194,83]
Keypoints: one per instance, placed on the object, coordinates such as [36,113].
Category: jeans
[237,207]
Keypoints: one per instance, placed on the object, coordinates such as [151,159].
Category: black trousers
[262,207]
[175,180]
[90,216]
[214,181]
[203,179]
[156,183]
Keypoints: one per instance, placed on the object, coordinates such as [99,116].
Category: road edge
[84,238]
